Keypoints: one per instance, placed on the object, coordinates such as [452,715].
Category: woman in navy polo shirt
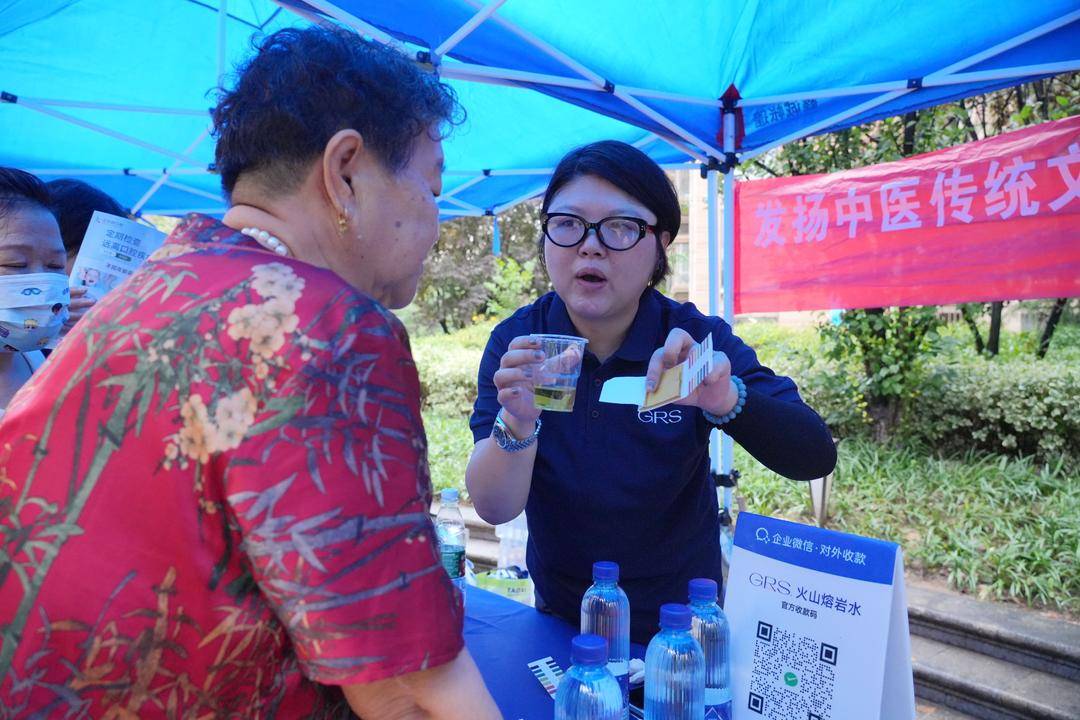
[606,482]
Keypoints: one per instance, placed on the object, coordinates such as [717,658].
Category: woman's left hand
[79,306]
[716,394]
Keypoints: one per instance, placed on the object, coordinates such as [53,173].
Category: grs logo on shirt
[661,417]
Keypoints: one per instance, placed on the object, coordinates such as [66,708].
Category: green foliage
[999,527]
[448,365]
[511,287]
[1024,407]
[891,345]
[461,274]
[450,443]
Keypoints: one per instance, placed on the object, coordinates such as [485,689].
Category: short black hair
[304,85]
[20,188]
[73,202]
[631,171]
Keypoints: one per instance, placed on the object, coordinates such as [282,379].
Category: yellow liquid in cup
[557,399]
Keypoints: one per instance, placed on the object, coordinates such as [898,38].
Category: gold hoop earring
[343,224]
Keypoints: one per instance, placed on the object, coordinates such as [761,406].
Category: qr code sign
[793,676]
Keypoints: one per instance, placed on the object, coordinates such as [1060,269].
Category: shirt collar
[641,339]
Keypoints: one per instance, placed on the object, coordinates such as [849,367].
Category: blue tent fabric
[57,54]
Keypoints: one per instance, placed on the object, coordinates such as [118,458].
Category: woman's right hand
[514,383]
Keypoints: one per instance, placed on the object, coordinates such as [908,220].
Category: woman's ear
[665,238]
[343,157]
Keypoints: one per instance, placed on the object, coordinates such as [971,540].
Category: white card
[112,249]
[675,383]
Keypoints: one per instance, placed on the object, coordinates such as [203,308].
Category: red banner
[997,219]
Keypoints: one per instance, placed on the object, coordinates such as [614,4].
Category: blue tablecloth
[503,637]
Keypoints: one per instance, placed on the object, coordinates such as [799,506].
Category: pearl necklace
[267,240]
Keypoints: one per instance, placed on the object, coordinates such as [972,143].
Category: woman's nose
[591,245]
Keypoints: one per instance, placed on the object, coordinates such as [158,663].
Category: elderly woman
[215,493]
[33,287]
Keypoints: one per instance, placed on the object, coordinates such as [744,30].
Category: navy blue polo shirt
[611,483]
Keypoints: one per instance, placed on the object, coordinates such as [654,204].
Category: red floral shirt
[214,499]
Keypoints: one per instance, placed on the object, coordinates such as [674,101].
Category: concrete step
[1007,632]
[988,687]
[931,711]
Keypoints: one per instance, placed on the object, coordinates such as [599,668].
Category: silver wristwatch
[506,440]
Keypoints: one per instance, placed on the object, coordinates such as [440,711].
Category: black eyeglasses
[614,233]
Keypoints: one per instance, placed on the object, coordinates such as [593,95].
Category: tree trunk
[444,326]
[993,338]
[968,313]
[1051,325]
[885,416]
[911,121]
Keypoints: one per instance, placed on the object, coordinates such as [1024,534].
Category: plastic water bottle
[674,669]
[605,611]
[588,690]
[450,530]
[709,627]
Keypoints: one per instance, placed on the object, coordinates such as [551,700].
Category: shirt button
[595,414]
[597,382]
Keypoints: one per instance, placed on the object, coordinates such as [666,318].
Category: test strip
[548,672]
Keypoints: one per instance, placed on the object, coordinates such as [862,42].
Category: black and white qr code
[793,676]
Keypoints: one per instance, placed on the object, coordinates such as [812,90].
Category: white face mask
[33,309]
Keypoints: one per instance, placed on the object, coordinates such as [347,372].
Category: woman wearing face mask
[606,482]
[218,495]
[33,287]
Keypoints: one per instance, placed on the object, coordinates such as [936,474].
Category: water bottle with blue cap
[709,626]
[674,669]
[588,690]
[605,611]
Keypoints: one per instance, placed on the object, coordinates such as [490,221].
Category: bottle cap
[674,616]
[605,571]
[588,650]
[703,590]
[449,495]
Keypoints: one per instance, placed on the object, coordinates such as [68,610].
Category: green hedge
[1011,407]
[447,365]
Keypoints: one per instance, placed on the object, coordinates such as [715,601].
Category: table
[503,637]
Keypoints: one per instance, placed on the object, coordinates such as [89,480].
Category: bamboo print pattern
[264,419]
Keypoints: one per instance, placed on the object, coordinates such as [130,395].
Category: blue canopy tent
[115,91]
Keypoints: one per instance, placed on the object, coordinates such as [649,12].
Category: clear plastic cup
[555,377]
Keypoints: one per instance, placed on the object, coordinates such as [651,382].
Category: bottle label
[717,704]
[453,561]
[621,670]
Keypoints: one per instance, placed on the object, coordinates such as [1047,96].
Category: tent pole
[931,78]
[52,102]
[496,241]
[332,10]
[727,447]
[482,73]
[521,198]
[461,204]
[71,172]
[934,81]
[462,32]
[165,176]
[715,437]
[106,131]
